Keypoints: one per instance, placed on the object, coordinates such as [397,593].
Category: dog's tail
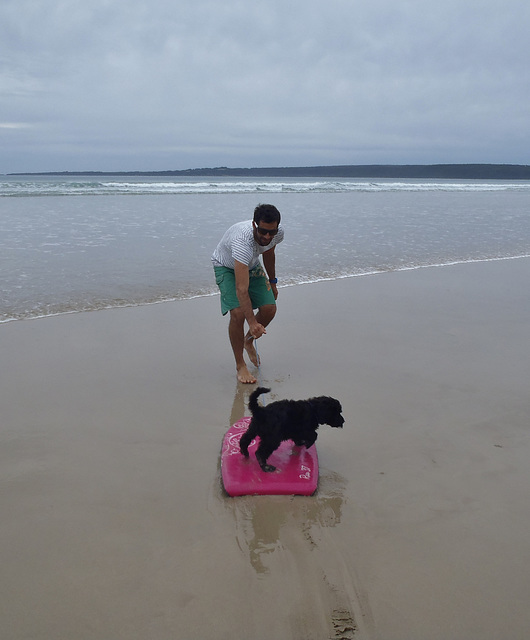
[253,404]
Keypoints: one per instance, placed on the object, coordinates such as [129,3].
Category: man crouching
[245,285]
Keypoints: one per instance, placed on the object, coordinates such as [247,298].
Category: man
[244,285]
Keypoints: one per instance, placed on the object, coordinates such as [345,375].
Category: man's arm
[269,262]
[242,281]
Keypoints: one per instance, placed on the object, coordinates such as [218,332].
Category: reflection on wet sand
[260,519]
[241,396]
[289,546]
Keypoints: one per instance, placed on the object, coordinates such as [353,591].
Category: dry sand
[113,521]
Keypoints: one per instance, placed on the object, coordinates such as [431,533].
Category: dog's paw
[268,468]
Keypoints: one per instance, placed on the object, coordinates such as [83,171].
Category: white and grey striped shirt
[238,244]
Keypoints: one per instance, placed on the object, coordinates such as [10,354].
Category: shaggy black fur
[296,420]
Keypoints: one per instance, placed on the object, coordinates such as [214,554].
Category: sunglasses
[265,232]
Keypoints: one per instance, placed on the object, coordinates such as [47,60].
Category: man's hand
[256,330]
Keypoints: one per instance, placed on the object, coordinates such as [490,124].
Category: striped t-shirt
[238,244]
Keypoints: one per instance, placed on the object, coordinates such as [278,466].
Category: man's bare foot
[244,375]
[251,350]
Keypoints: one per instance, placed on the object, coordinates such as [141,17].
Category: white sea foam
[87,187]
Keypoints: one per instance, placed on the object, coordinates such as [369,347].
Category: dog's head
[329,411]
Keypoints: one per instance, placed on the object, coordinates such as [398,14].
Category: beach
[114,522]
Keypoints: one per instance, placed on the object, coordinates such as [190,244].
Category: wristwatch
[273,280]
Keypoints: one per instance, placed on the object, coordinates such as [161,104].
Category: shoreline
[215,293]
[114,520]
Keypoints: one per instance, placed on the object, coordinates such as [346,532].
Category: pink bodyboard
[296,467]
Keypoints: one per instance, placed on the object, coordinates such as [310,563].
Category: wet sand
[114,523]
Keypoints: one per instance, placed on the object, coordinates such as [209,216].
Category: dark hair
[266,213]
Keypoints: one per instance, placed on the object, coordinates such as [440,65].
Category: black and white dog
[296,420]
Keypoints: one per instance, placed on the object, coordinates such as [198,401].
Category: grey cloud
[160,84]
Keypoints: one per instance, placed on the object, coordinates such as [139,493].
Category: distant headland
[419,171]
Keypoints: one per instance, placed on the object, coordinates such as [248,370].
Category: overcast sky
[175,84]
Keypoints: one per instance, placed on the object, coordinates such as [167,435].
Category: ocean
[79,243]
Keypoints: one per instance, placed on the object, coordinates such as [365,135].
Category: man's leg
[225,279]
[236,332]
[264,316]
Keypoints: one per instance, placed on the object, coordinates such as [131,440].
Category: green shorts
[259,288]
